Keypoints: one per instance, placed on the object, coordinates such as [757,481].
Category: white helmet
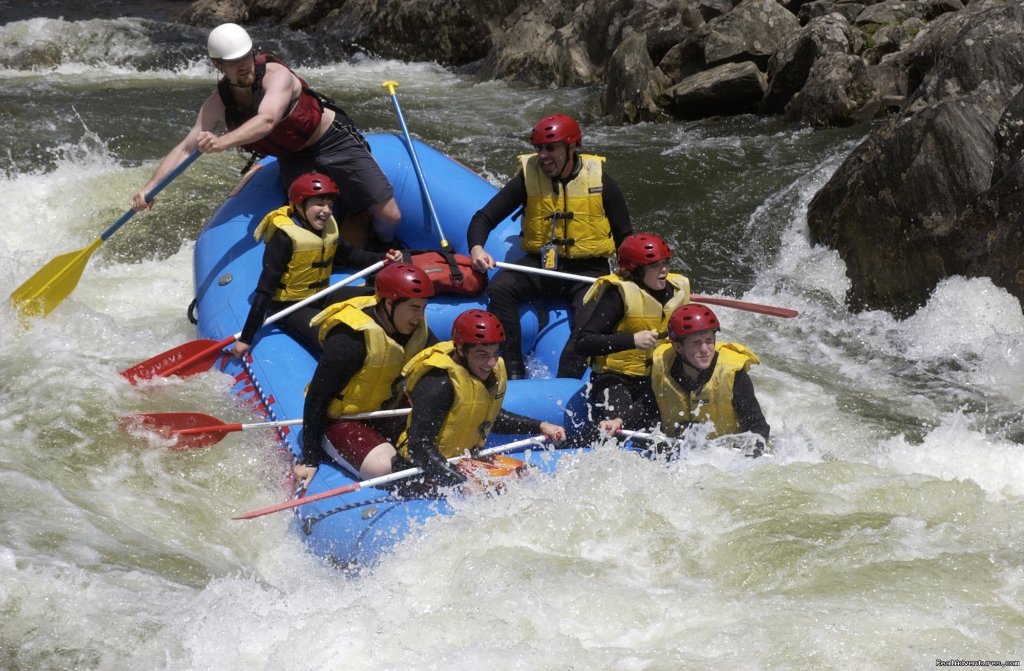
[228,42]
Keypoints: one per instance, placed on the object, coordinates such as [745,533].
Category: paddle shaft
[51,284]
[711,300]
[368,270]
[390,86]
[288,310]
[175,361]
[170,177]
[228,428]
[382,480]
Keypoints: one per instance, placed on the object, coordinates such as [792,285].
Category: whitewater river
[886,532]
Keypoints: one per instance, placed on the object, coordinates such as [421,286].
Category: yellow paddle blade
[52,283]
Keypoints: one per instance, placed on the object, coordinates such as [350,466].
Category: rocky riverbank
[935,191]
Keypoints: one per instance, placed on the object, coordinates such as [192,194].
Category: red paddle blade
[193,357]
[191,430]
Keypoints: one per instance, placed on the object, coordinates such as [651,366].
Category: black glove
[439,470]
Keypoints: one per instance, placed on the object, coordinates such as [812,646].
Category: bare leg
[386,217]
[377,461]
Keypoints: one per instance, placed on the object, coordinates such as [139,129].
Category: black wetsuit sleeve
[505,202]
[350,257]
[431,400]
[616,209]
[343,355]
[596,337]
[277,252]
[512,422]
[748,410]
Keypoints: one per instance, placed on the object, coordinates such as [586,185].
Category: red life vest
[293,131]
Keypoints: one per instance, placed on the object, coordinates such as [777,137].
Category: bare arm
[280,87]
[210,114]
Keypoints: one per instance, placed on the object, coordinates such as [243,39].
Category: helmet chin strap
[570,154]
[689,367]
[389,315]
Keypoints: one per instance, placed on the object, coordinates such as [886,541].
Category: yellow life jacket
[376,382]
[575,219]
[475,407]
[641,313]
[309,269]
[713,401]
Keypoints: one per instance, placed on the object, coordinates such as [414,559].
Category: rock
[890,208]
[535,52]
[839,92]
[891,38]
[215,12]
[820,8]
[733,88]
[417,30]
[633,83]
[916,202]
[990,240]
[750,32]
[710,9]
[791,63]
[958,51]
[1009,139]
[894,12]
[663,23]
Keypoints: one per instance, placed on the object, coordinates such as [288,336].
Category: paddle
[750,444]
[55,281]
[390,86]
[195,429]
[711,300]
[384,479]
[197,356]
[447,251]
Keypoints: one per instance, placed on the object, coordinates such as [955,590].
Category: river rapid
[885,532]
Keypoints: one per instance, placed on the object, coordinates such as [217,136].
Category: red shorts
[354,439]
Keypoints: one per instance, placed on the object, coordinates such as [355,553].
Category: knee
[503,292]
[378,461]
[387,214]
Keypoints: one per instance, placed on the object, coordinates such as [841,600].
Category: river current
[885,532]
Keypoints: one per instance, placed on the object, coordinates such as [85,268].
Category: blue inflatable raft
[357,527]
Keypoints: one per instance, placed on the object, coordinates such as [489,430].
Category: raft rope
[308,522]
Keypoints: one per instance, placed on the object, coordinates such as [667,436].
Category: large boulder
[791,63]
[991,231]
[896,210]
[890,208]
[633,83]
[543,51]
[214,12]
[839,91]
[958,51]
[728,89]
[453,33]
[752,31]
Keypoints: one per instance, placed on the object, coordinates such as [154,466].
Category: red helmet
[640,249]
[691,318]
[477,327]
[309,185]
[556,128]
[403,280]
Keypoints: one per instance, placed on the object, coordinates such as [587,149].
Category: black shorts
[343,155]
